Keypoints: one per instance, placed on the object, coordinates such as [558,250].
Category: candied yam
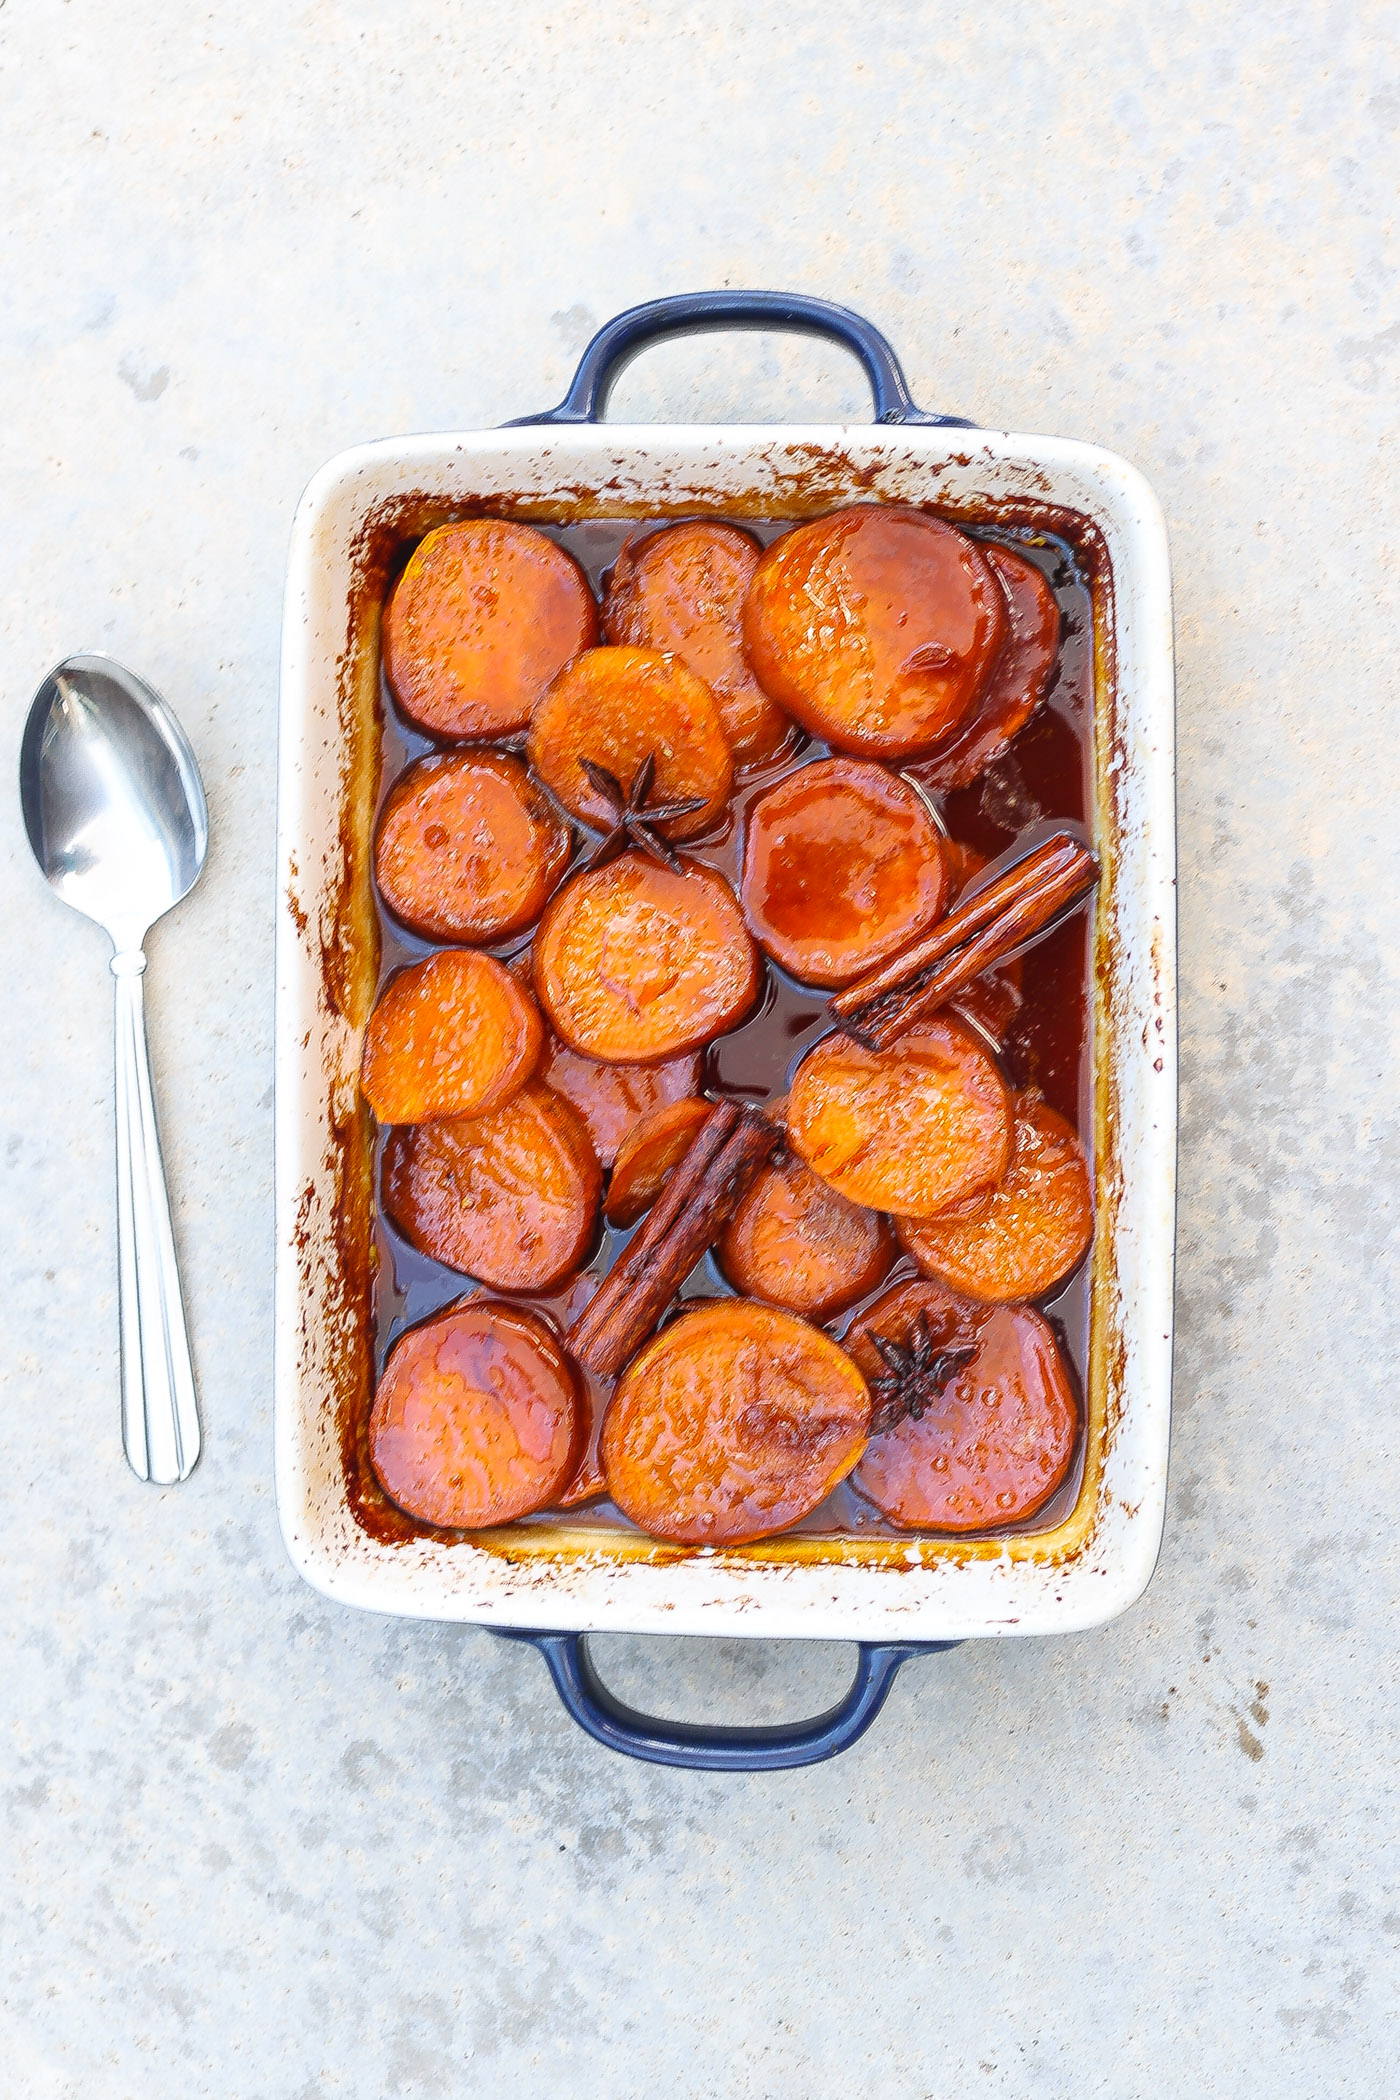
[647,1155]
[634,963]
[911,1129]
[732,1423]
[794,1242]
[995,1444]
[589,1483]
[612,1099]
[952,1322]
[618,707]
[992,1001]
[468,847]
[842,866]
[1017,682]
[965,864]
[481,620]
[1024,1236]
[477,1418]
[510,1198]
[682,591]
[454,1035]
[875,627]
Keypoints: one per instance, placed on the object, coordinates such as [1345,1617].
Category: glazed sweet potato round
[612,1099]
[875,627]
[1018,680]
[990,1448]
[647,1155]
[1025,1235]
[588,1484]
[476,1420]
[911,1129]
[617,708]
[634,963]
[794,1242]
[842,866]
[510,1198]
[454,1035]
[733,1422]
[682,591]
[480,621]
[468,847]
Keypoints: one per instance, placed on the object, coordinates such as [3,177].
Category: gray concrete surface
[257,1847]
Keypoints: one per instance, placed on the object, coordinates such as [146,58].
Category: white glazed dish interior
[1077,1575]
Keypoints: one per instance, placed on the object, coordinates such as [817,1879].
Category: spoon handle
[160,1417]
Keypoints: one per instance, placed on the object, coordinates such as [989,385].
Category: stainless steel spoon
[115,811]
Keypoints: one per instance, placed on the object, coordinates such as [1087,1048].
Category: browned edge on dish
[334,1237]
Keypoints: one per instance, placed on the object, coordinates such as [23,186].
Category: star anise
[915,1373]
[633,817]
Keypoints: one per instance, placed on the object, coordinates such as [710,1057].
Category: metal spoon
[115,811]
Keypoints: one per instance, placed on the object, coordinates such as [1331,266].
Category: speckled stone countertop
[260,1848]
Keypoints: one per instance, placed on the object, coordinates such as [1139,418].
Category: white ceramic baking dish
[356,513]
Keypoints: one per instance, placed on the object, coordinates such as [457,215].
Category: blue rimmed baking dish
[555,1581]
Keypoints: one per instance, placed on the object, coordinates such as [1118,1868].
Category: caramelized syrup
[1042,781]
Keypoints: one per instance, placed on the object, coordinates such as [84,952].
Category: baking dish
[554,1582]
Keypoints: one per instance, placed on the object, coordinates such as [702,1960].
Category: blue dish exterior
[697,1748]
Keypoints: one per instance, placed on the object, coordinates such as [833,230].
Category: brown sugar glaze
[1043,781]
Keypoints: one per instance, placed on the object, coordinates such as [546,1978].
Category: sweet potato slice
[477,1419]
[990,1448]
[1017,682]
[647,1155]
[875,627]
[616,708]
[612,1099]
[1025,1235]
[842,866]
[794,1242]
[733,1422]
[965,864]
[634,963]
[589,1483]
[911,1129]
[468,847]
[454,1035]
[682,591]
[480,621]
[510,1198]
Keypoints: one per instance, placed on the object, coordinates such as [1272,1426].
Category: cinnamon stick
[699,1198]
[1032,907]
[966,919]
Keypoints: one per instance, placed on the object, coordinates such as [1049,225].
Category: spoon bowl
[112,798]
[115,811]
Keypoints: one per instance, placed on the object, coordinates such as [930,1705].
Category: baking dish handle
[687,313]
[696,1748]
